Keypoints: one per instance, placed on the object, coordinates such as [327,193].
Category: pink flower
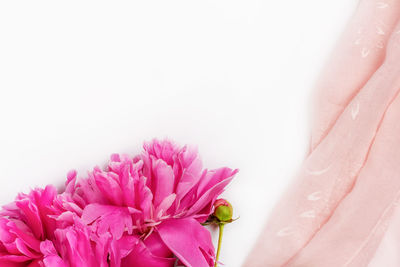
[140,211]
[77,245]
[24,225]
[31,236]
[153,202]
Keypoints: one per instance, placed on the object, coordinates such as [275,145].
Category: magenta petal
[204,205]
[157,246]
[188,240]
[22,248]
[165,150]
[32,217]
[54,261]
[112,218]
[163,181]
[6,263]
[51,258]
[191,166]
[110,188]
[141,257]
[71,180]
[13,258]
[20,231]
[165,205]
[121,248]
[144,197]
[75,246]
[214,177]
[47,248]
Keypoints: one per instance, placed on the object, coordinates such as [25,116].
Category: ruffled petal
[141,256]
[108,218]
[188,240]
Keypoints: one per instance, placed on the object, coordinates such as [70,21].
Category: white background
[81,80]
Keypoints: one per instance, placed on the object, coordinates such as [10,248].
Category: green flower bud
[223,210]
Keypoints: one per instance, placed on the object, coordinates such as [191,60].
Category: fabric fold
[354,231]
[358,54]
[341,184]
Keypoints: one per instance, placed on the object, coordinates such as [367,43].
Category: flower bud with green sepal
[223,210]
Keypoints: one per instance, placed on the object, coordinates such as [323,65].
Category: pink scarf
[341,210]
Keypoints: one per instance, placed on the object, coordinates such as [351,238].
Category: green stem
[221,231]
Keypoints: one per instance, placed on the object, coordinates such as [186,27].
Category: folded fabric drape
[341,209]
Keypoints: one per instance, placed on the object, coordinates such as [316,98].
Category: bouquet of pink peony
[146,210]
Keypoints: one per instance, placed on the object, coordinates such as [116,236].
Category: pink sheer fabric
[341,210]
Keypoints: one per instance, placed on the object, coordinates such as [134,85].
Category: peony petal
[7,263]
[112,218]
[71,180]
[165,150]
[162,182]
[44,199]
[90,192]
[121,248]
[157,247]
[13,258]
[165,205]
[191,166]
[51,258]
[141,256]
[22,248]
[214,177]
[47,248]
[188,240]
[109,187]
[203,206]
[126,183]
[21,231]
[143,198]
[77,249]
[32,217]
[54,261]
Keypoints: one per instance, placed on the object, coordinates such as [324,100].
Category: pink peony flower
[140,211]
[77,245]
[159,198]
[24,225]
[30,234]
